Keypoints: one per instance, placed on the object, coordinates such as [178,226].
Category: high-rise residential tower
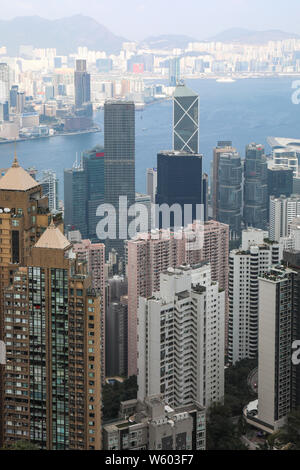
[185,120]
[256,187]
[255,256]
[279,327]
[282,211]
[119,143]
[181,339]
[56,400]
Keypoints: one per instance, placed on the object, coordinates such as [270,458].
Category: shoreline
[60,134]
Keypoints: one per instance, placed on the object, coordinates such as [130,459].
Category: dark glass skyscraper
[82,81]
[255,187]
[84,189]
[94,166]
[280,181]
[186,120]
[179,181]
[230,192]
[75,194]
[119,143]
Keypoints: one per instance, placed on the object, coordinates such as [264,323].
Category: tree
[222,433]
[22,445]
[290,432]
[114,393]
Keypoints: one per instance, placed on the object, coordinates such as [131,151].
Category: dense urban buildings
[119,144]
[181,338]
[157,426]
[255,187]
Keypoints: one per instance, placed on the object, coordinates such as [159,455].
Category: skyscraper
[119,143]
[181,339]
[179,181]
[58,352]
[4,84]
[255,256]
[75,199]
[280,181]
[230,192]
[174,71]
[256,187]
[278,376]
[148,255]
[151,183]
[84,191]
[82,80]
[222,147]
[185,120]
[94,167]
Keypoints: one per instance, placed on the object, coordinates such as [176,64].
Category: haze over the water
[137,19]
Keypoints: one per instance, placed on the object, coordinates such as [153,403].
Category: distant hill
[167,41]
[65,34]
[245,36]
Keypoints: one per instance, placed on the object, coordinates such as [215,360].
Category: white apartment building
[181,338]
[282,211]
[246,264]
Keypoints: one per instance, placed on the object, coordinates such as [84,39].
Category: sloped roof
[17,179]
[53,238]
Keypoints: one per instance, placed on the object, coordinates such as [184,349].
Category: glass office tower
[186,120]
[119,143]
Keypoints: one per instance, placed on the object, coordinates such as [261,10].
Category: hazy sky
[136,19]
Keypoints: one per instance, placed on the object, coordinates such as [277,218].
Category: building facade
[255,256]
[181,331]
[157,426]
[185,120]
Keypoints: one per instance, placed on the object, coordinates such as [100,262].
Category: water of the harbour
[245,111]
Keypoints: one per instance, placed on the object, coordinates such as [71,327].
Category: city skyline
[207,19]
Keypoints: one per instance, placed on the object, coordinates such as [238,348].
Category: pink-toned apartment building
[94,255]
[149,255]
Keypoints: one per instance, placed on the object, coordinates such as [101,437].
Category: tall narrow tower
[185,120]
